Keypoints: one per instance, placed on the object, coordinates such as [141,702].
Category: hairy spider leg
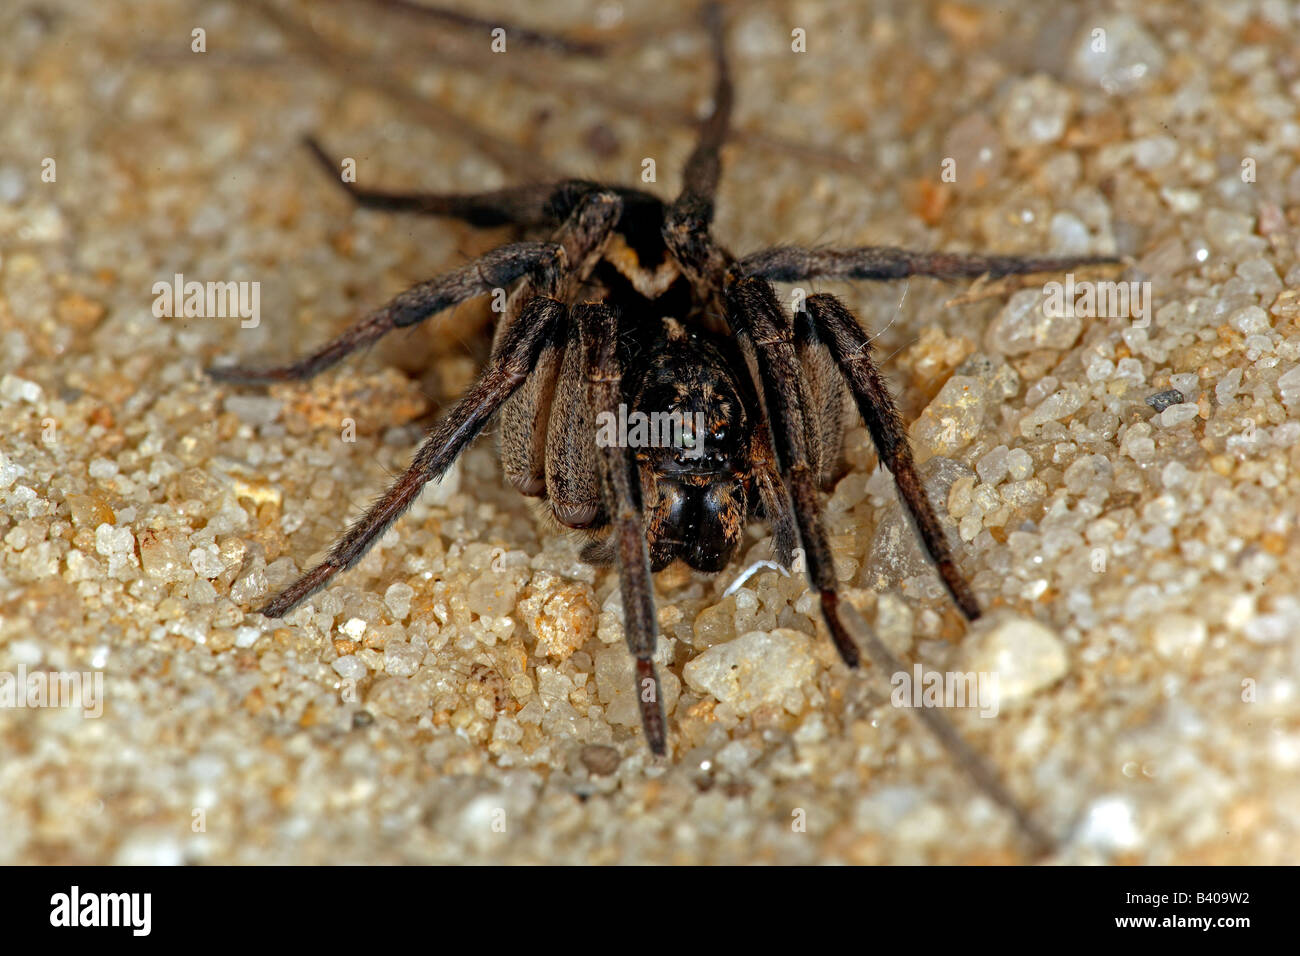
[795,264]
[621,483]
[495,269]
[837,328]
[540,320]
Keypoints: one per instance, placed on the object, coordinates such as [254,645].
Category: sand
[464,695]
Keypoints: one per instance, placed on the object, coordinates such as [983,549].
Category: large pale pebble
[757,669]
[1026,656]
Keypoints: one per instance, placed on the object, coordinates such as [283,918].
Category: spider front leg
[539,323]
[756,304]
[496,269]
[756,317]
[849,346]
[773,497]
[520,340]
[621,490]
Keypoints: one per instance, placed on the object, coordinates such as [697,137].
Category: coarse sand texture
[1121,489]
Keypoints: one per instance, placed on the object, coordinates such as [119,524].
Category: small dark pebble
[600,139]
[1162,400]
[600,760]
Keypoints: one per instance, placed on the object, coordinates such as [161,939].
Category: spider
[630,300]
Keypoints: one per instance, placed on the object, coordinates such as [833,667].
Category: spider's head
[695,465]
[690,403]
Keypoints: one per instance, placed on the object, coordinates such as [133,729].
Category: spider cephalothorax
[624,304]
[697,485]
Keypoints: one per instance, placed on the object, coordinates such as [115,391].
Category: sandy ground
[463,694]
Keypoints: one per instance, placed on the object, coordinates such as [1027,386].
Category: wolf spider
[631,300]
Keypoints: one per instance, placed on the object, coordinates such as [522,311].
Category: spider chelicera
[630,300]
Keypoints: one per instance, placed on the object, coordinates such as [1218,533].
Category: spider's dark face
[694,477]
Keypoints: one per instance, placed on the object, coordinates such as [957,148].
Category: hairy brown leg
[570,465]
[531,423]
[826,417]
[524,35]
[793,264]
[840,332]
[772,495]
[520,340]
[704,166]
[541,320]
[686,222]
[758,322]
[496,269]
[756,315]
[621,485]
